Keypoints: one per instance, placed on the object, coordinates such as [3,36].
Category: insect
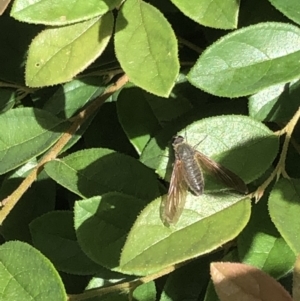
[187,173]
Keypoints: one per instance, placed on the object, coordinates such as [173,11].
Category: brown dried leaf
[3,6]
[296,279]
[241,282]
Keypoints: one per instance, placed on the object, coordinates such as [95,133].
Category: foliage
[91,94]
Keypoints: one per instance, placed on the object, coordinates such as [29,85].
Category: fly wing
[173,204]
[226,176]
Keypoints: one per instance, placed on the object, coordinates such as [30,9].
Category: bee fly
[187,173]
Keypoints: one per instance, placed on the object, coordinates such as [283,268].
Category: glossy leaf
[216,13]
[94,171]
[57,54]
[284,207]
[249,60]
[28,133]
[207,222]
[290,8]
[241,144]
[277,103]
[59,12]
[22,268]
[146,47]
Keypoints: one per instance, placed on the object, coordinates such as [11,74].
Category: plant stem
[126,286]
[280,167]
[10,201]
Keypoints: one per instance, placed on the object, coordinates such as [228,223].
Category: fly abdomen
[193,175]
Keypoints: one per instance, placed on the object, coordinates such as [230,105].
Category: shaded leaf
[284,208]
[277,103]
[188,281]
[261,245]
[28,133]
[73,96]
[53,234]
[290,8]
[95,171]
[132,100]
[7,99]
[145,292]
[36,201]
[102,225]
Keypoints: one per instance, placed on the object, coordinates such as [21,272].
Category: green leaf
[7,99]
[70,98]
[145,292]
[276,103]
[102,225]
[56,55]
[93,172]
[149,111]
[261,245]
[27,275]
[37,200]
[212,13]
[240,143]
[207,222]
[290,8]
[146,47]
[284,208]
[105,131]
[142,115]
[28,133]
[53,234]
[60,12]
[14,40]
[248,60]
[73,96]
[187,282]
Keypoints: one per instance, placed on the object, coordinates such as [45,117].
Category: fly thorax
[184,151]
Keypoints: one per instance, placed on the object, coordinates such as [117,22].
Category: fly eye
[177,140]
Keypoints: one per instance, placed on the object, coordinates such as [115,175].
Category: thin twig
[190,45]
[280,167]
[126,286]
[78,120]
